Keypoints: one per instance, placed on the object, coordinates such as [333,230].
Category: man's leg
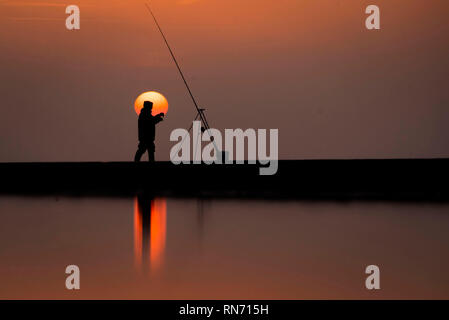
[140,151]
[151,149]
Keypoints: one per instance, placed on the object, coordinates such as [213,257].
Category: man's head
[148,105]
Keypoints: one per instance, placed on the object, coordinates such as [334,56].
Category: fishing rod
[198,109]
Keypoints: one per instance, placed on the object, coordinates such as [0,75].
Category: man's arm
[158,118]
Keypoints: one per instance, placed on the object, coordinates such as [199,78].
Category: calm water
[221,249]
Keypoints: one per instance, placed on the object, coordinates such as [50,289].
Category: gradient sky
[306,67]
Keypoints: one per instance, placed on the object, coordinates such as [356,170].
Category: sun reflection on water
[150,216]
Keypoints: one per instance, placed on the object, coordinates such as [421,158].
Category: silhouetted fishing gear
[200,111]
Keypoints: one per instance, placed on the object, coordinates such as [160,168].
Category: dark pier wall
[401,179]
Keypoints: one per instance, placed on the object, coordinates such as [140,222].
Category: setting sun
[160,103]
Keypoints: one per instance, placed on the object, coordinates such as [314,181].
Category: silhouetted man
[147,131]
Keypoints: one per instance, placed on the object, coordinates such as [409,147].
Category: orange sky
[308,68]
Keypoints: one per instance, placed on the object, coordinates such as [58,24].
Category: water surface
[168,248]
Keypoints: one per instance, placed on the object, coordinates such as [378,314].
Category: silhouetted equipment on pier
[407,179]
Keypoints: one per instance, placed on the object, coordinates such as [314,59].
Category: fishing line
[200,111]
